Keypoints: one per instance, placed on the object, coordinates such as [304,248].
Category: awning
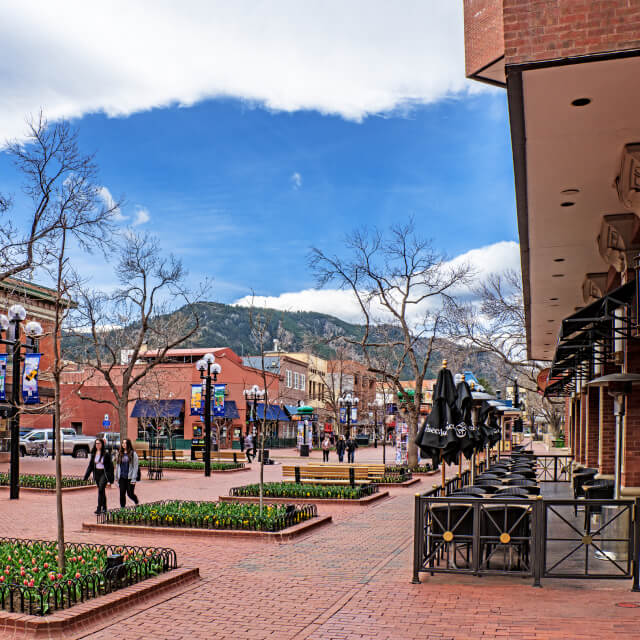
[157,408]
[273,412]
[231,410]
[579,334]
[290,409]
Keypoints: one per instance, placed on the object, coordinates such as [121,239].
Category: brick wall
[607,451]
[483,35]
[592,427]
[536,30]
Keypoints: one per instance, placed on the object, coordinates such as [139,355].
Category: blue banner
[3,376]
[218,400]
[197,399]
[343,415]
[30,393]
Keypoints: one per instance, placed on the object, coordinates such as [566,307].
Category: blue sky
[241,167]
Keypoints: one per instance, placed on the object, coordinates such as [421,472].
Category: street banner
[218,400]
[197,398]
[30,378]
[343,415]
[3,376]
[354,415]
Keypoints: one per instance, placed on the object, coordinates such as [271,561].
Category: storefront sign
[196,400]
[218,400]
[3,376]
[30,393]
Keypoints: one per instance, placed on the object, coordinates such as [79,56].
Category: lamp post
[252,396]
[10,327]
[208,368]
[348,401]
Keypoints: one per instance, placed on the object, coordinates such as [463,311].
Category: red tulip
[46,565]
[1,578]
[59,575]
[7,571]
[77,575]
[31,583]
[52,577]
[25,582]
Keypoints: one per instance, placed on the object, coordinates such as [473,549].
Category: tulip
[1,578]
[25,582]
[59,576]
[46,565]
[52,577]
[31,583]
[77,575]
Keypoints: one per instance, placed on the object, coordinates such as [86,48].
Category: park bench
[375,472]
[326,474]
[220,456]
[167,454]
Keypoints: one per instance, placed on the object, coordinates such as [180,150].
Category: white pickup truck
[72,444]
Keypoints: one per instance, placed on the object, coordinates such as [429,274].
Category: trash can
[304,450]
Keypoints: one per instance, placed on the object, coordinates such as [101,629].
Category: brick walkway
[348,580]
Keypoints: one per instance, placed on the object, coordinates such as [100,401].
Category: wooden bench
[326,474]
[221,456]
[167,454]
[374,471]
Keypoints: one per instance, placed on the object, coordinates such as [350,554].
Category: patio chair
[580,478]
[514,520]
[515,492]
[476,492]
[456,519]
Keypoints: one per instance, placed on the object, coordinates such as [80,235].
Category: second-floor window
[303,382]
[289,378]
[296,380]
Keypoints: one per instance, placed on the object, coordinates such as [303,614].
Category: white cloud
[110,203]
[142,216]
[296,180]
[343,304]
[347,58]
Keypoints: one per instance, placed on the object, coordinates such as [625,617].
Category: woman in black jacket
[101,465]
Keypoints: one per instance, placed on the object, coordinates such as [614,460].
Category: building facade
[570,69]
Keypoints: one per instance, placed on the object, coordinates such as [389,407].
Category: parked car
[112,440]
[72,444]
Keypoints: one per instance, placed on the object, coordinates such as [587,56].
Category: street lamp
[10,326]
[253,395]
[348,401]
[378,404]
[209,365]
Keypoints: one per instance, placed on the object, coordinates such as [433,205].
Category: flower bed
[210,515]
[299,490]
[44,481]
[30,581]
[422,468]
[194,464]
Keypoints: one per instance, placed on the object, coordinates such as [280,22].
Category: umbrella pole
[473,467]
[460,464]
[443,474]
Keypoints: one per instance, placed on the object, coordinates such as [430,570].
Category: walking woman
[127,472]
[341,445]
[326,447]
[101,466]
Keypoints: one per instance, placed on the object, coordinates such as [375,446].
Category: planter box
[362,502]
[277,536]
[170,469]
[91,615]
[38,490]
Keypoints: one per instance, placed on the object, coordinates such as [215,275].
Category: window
[77,426]
[355,380]
[289,378]
[296,380]
[303,382]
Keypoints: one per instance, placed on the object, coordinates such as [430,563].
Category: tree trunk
[58,447]
[412,449]
[123,419]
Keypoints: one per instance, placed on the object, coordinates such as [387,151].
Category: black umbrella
[483,423]
[465,429]
[437,437]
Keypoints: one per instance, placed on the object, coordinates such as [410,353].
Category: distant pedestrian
[340,447]
[248,447]
[101,466]
[351,449]
[241,442]
[127,472]
[326,447]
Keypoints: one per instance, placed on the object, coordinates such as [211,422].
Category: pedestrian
[340,447]
[127,472]
[326,447]
[248,447]
[101,466]
[241,442]
[351,449]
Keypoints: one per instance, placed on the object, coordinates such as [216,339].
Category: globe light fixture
[33,329]
[17,312]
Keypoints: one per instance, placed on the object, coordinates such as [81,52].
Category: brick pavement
[348,580]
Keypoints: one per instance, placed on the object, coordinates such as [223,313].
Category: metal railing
[156,461]
[533,537]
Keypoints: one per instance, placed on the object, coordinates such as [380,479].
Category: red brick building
[169,384]
[570,69]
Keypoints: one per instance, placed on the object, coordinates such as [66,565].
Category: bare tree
[494,323]
[124,335]
[58,178]
[402,286]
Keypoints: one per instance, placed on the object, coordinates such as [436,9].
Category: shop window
[77,426]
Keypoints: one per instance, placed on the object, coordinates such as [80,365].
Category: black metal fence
[47,598]
[156,461]
[528,537]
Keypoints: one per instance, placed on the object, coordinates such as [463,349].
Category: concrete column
[631,434]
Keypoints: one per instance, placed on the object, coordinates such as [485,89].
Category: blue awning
[290,409]
[157,408]
[231,410]
[274,412]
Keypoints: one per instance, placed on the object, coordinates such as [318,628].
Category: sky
[244,133]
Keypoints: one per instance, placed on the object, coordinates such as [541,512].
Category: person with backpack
[340,447]
[351,449]
[326,447]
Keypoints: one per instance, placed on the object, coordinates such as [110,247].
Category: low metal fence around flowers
[191,464]
[210,515]
[31,582]
[395,473]
[45,481]
[303,490]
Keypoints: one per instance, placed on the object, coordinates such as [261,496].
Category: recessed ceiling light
[550,320]
[558,259]
[549,333]
[581,102]
[568,191]
[553,298]
[558,275]
[567,204]
[546,344]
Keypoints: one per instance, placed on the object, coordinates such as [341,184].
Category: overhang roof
[567,154]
